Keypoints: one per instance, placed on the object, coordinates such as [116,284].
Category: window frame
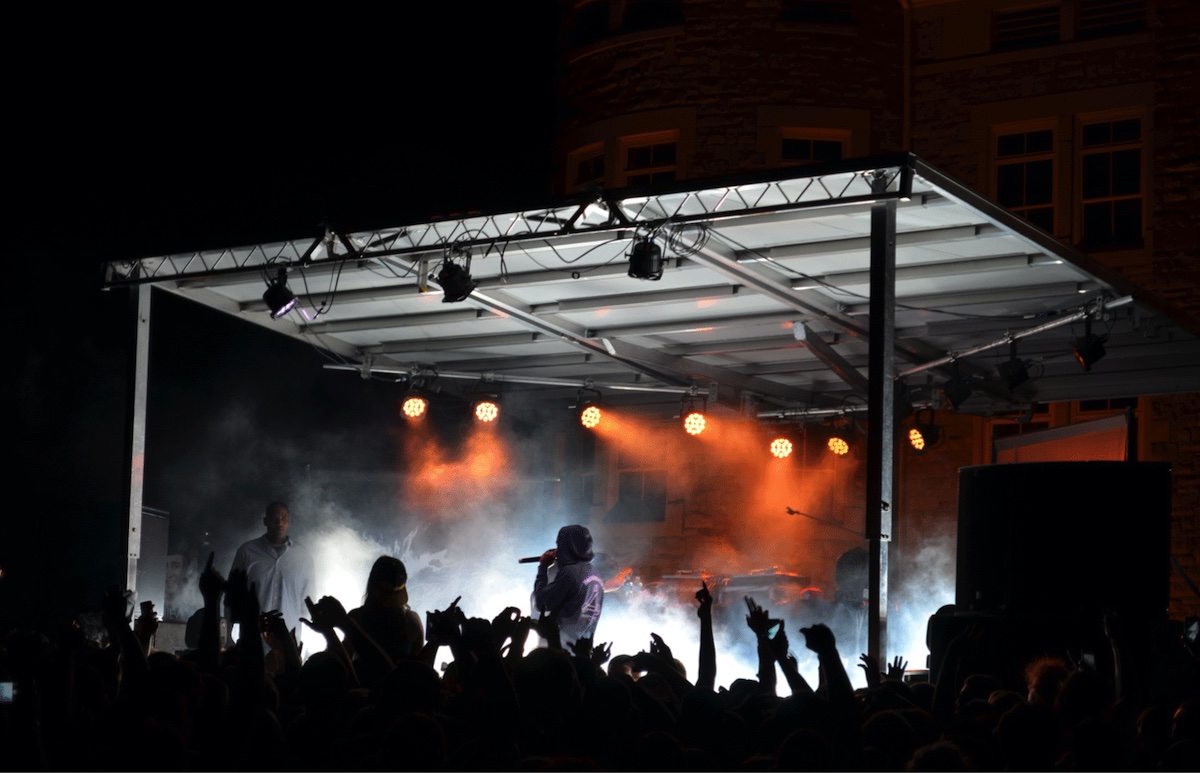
[995,161]
[811,134]
[628,142]
[1083,120]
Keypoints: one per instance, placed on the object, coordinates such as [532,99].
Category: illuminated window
[1111,183]
[1024,174]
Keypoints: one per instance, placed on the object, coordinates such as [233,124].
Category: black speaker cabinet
[1048,539]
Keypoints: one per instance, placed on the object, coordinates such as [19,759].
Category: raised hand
[274,628]
[445,626]
[870,667]
[659,648]
[212,584]
[240,594]
[115,607]
[504,624]
[601,654]
[819,638]
[897,668]
[779,644]
[146,625]
[326,614]
[705,599]
[582,647]
[758,620]
[520,635]
[547,628]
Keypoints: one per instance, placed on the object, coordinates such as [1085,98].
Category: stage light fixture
[692,411]
[486,410]
[956,389]
[645,259]
[589,408]
[1012,371]
[590,416]
[1089,348]
[279,297]
[455,278]
[840,436]
[924,435]
[781,448]
[415,405]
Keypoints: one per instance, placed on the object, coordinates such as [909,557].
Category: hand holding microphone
[545,559]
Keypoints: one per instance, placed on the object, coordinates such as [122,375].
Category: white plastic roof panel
[765,283]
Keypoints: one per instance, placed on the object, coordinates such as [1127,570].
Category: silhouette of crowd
[101,697]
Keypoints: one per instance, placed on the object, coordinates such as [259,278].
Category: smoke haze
[458,504]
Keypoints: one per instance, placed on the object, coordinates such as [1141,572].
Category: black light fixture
[956,389]
[1089,348]
[455,278]
[924,435]
[839,438]
[589,408]
[1012,371]
[692,412]
[486,409]
[781,444]
[645,259]
[279,297]
[415,404]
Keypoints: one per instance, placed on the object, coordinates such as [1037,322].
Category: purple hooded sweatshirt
[576,596]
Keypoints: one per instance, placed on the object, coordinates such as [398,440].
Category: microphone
[529,560]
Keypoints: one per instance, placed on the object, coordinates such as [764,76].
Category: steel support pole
[880,421]
[139,376]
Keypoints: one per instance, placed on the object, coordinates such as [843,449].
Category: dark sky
[129,140]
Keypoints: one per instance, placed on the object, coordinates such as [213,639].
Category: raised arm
[760,623]
[706,676]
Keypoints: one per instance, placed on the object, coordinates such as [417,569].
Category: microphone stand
[790,511]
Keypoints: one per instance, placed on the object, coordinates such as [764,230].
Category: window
[795,150]
[586,166]
[1025,28]
[795,145]
[649,159]
[1103,18]
[1111,183]
[1024,174]
[818,11]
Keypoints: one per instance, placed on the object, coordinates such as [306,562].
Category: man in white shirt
[280,569]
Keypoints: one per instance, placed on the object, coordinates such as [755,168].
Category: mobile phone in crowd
[8,691]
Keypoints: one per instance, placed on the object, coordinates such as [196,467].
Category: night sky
[130,139]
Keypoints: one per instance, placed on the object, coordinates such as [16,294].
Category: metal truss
[822,186]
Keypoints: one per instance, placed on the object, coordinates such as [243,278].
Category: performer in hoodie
[576,595]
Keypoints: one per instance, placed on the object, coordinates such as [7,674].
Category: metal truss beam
[836,184]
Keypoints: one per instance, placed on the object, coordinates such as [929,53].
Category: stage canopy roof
[762,304]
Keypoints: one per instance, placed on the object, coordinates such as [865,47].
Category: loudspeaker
[1048,539]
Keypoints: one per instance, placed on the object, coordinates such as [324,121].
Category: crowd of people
[519,695]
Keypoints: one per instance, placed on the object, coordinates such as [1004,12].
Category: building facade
[1083,116]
